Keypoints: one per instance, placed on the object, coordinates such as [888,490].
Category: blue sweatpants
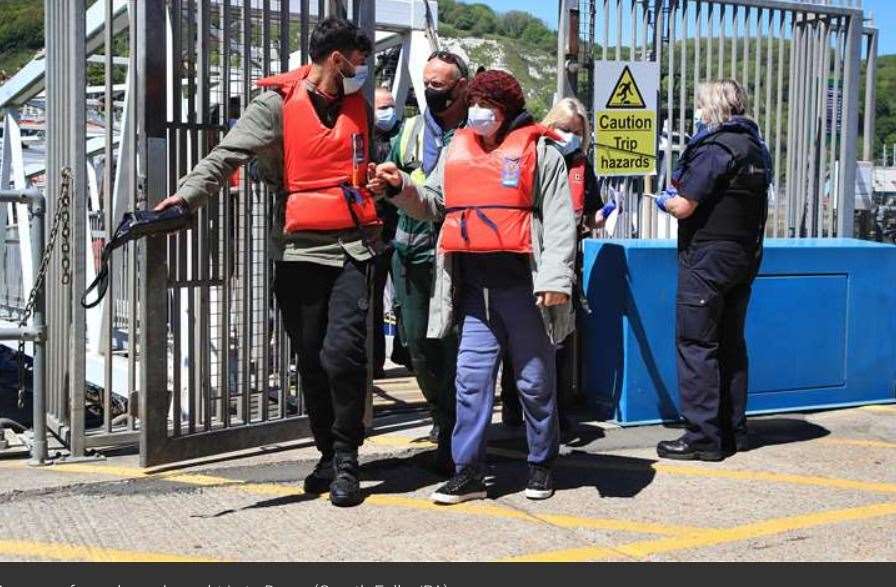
[512,321]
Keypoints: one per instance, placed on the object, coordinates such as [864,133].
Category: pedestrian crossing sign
[625,93]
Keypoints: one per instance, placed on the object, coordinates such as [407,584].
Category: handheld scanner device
[135,225]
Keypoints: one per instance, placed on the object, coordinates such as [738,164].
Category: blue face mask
[700,127]
[386,118]
[569,143]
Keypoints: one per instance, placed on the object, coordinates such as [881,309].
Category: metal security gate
[800,64]
[217,373]
[225,382]
[186,355]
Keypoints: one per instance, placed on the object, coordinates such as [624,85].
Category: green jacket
[259,134]
[414,239]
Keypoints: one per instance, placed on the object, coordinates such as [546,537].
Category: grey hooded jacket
[553,241]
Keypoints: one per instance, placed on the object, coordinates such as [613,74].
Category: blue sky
[884,16]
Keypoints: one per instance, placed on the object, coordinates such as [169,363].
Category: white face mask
[569,142]
[482,121]
[386,118]
[350,85]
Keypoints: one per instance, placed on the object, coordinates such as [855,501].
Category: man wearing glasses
[416,152]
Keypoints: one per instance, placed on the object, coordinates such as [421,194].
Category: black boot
[319,480]
[345,491]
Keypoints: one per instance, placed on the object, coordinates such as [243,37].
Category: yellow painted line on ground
[646,548]
[72,552]
[399,441]
[858,442]
[478,509]
[885,409]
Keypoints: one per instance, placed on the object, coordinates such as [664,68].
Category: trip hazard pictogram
[626,93]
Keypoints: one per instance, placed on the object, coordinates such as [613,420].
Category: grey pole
[870,95]
[845,222]
[38,387]
[562,44]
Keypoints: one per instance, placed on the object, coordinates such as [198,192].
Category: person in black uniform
[719,197]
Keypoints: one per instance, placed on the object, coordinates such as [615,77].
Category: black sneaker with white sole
[467,485]
[541,482]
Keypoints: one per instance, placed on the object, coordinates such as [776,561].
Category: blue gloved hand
[607,210]
[664,197]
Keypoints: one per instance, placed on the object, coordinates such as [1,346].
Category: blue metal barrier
[821,328]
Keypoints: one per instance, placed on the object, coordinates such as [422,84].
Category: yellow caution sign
[625,117]
[626,93]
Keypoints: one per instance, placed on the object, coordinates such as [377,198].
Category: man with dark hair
[310,136]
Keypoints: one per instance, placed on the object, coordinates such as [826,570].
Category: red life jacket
[324,169]
[577,186]
[489,196]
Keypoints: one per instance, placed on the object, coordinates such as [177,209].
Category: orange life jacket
[489,196]
[577,186]
[324,169]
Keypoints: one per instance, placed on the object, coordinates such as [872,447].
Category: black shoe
[541,482]
[511,414]
[319,480]
[683,450]
[345,491]
[433,436]
[465,486]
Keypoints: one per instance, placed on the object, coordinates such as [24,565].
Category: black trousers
[325,310]
[714,286]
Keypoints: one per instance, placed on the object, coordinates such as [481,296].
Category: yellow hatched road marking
[73,552]
[645,548]
[478,509]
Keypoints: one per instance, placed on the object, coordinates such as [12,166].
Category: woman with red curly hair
[504,273]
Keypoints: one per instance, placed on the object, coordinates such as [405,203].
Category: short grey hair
[720,100]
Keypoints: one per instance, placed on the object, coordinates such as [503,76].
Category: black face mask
[439,101]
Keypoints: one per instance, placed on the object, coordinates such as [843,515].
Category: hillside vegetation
[21,33]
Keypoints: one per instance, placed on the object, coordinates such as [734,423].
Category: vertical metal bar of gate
[151,144]
[76,123]
[849,128]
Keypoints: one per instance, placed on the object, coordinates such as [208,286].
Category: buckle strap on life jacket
[465,211]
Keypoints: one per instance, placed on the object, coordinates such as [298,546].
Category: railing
[35,332]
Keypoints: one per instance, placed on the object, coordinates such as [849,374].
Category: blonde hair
[720,100]
[564,110]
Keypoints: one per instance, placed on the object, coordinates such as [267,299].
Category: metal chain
[60,226]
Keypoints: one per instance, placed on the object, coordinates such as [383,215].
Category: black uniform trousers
[325,311]
[714,286]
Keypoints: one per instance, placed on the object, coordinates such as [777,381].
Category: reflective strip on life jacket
[325,169]
[489,195]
